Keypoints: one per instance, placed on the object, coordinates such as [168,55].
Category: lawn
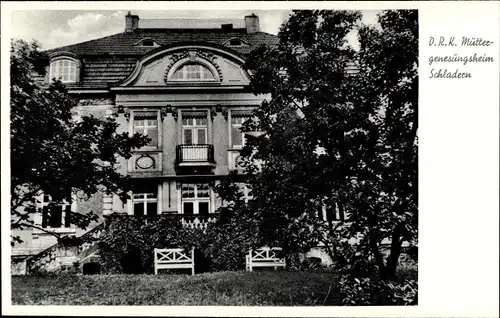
[266,288]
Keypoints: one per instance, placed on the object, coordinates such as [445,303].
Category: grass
[265,288]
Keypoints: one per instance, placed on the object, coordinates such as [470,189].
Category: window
[234,160]
[246,191]
[64,70]
[194,131]
[55,215]
[193,72]
[235,42]
[145,201]
[147,126]
[195,198]
[237,137]
[335,214]
[148,42]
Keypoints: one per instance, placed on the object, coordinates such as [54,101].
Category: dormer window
[235,42]
[193,72]
[63,69]
[147,42]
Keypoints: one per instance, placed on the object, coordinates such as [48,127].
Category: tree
[53,154]
[335,140]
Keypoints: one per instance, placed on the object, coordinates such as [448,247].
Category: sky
[55,28]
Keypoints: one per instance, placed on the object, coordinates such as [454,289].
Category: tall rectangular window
[145,200]
[237,137]
[55,215]
[246,192]
[195,198]
[335,213]
[147,125]
[194,131]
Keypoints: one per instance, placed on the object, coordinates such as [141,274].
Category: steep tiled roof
[123,43]
[111,59]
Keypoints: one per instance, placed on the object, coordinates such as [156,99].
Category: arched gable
[157,68]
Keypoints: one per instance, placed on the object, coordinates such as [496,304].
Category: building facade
[181,83]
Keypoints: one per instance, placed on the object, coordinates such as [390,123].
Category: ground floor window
[335,213]
[145,200]
[55,215]
[195,198]
[246,192]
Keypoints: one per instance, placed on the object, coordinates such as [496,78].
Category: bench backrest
[173,256]
[265,254]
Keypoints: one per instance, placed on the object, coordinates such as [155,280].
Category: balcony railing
[197,221]
[195,154]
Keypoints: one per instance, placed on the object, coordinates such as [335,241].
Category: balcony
[193,221]
[195,158]
[198,221]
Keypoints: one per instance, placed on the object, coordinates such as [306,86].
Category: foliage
[127,245]
[265,288]
[368,291]
[337,140]
[226,243]
[52,153]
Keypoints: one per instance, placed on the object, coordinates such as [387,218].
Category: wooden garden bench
[264,257]
[169,258]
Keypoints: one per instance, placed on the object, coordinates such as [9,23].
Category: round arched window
[64,70]
[193,72]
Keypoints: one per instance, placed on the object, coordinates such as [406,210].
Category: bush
[370,291]
[311,263]
[226,242]
[127,245]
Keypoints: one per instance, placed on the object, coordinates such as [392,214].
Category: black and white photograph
[271,166]
[214,157]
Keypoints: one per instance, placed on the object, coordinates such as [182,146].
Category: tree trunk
[389,271]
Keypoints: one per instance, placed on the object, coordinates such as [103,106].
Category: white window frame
[144,114]
[145,128]
[142,198]
[244,188]
[194,130]
[183,69]
[56,69]
[237,125]
[232,159]
[45,200]
[195,200]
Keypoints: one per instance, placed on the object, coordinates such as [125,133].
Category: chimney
[252,23]
[131,22]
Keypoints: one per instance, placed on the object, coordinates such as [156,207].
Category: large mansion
[181,83]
